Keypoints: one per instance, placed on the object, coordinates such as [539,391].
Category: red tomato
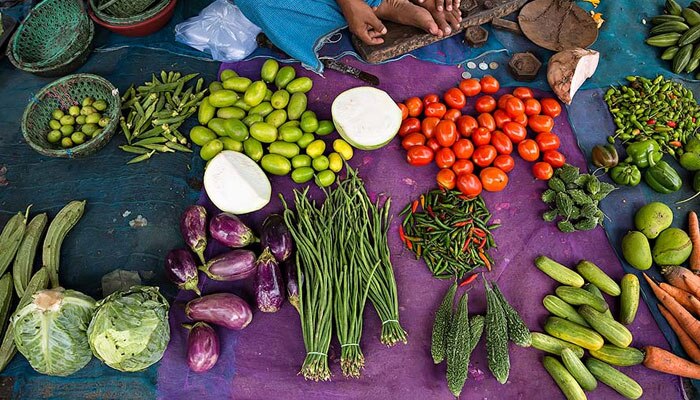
[541,123]
[528,150]
[415,106]
[470,87]
[542,171]
[485,104]
[502,100]
[446,133]
[419,155]
[413,139]
[463,167]
[486,121]
[516,132]
[501,142]
[521,119]
[532,107]
[455,98]
[550,107]
[428,126]
[547,141]
[469,185]
[435,110]
[514,107]
[554,158]
[501,118]
[452,114]
[466,124]
[433,144]
[523,93]
[409,125]
[447,179]
[489,84]
[481,136]
[505,162]
[493,179]
[463,148]
[484,155]
[404,111]
[430,98]
[445,157]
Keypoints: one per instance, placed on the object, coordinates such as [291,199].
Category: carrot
[694,233]
[682,278]
[695,304]
[687,343]
[686,321]
[681,296]
[664,361]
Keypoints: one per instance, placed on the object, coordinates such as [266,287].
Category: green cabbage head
[130,330]
[51,331]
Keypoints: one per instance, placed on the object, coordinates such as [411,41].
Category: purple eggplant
[232,266]
[277,237]
[202,347]
[290,272]
[193,226]
[230,231]
[181,270]
[223,309]
[269,289]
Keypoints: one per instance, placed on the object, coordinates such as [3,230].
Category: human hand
[362,21]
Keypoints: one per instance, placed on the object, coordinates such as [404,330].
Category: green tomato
[100,105]
[104,121]
[80,120]
[87,101]
[57,114]
[54,124]
[67,130]
[54,136]
[74,111]
[66,143]
[89,129]
[78,138]
[91,119]
[67,120]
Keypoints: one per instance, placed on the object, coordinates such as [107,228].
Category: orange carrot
[681,296]
[664,361]
[694,233]
[682,278]
[695,304]
[686,341]
[686,321]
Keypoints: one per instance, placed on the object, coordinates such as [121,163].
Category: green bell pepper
[626,174]
[663,178]
[644,154]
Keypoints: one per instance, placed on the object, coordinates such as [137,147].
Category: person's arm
[362,21]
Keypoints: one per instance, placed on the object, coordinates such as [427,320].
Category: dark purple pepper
[230,231]
[231,266]
[224,309]
[193,226]
[269,288]
[181,270]
[277,237]
[290,272]
[202,347]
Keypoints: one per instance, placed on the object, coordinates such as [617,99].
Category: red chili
[479,232]
[693,119]
[414,207]
[409,244]
[468,280]
[462,223]
[675,143]
[430,212]
[466,244]
[401,234]
[483,243]
[672,124]
[485,260]
[651,122]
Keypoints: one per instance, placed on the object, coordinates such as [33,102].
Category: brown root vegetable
[568,69]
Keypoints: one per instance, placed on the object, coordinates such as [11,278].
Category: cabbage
[51,331]
[130,330]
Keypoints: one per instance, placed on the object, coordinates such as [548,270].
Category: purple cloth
[262,361]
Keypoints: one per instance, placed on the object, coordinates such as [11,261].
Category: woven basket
[123,8]
[63,93]
[154,9]
[51,31]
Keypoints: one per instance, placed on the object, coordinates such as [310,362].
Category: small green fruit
[653,218]
[672,247]
[636,250]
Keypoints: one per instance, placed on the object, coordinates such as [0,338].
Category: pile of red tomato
[463,146]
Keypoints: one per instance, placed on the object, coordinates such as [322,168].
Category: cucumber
[664,39]
[517,330]
[690,36]
[671,26]
[593,274]
[691,16]
[618,381]
[660,19]
[566,382]
[577,297]
[629,299]
[578,370]
[613,331]
[593,289]
[458,339]
[682,57]
[562,309]
[496,337]
[669,53]
[673,8]
[559,272]
[622,357]
[573,333]
[441,326]
[550,344]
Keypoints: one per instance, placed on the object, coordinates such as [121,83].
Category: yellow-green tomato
[67,120]
[201,135]
[227,74]
[54,124]
[320,163]
[230,144]
[67,130]
[66,143]
[87,110]
[325,178]
[91,119]
[78,138]
[284,149]
[300,85]
[253,149]
[335,162]
[316,148]
[238,83]
[104,121]
[279,99]
[211,149]
[88,129]
[305,140]
[309,124]
[263,109]
[290,134]
[57,114]
[302,174]
[269,69]
[302,160]
[74,111]
[100,105]
[88,101]
[263,132]
[54,136]
[277,118]
[343,148]
[230,112]
[255,93]
[80,119]
[276,164]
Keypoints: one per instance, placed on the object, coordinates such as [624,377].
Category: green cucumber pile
[274,129]
[77,124]
[678,33]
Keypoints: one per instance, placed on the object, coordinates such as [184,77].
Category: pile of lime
[274,129]
[77,124]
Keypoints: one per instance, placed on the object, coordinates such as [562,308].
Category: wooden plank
[401,39]
[506,25]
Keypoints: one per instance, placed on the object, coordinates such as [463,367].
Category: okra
[133,149]
[64,221]
[152,140]
[11,238]
[178,147]
[24,260]
[142,157]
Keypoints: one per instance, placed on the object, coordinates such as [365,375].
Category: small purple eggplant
[290,272]
[231,266]
[202,347]
[193,226]
[181,270]
[230,231]
[223,309]
[277,237]
[269,289]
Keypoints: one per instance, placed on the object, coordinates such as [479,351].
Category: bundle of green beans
[659,109]
[154,111]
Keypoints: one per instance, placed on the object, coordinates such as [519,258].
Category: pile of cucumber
[274,129]
[678,32]
[581,319]
[77,124]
